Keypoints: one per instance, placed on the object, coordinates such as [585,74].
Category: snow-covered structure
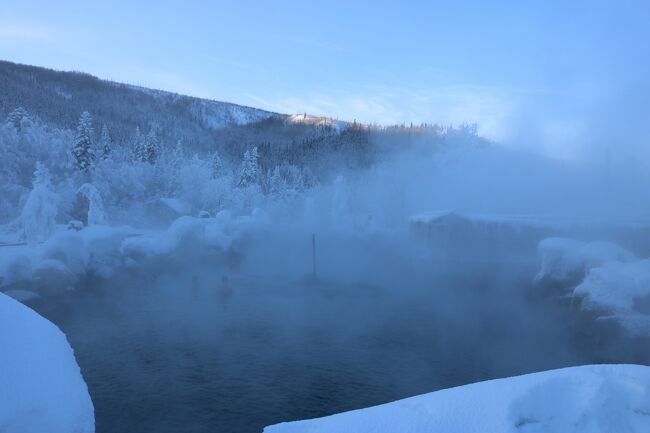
[464,235]
[41,387]
[456,235]
[587,399]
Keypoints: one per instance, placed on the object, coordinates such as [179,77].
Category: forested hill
[67,130]
[58,98]
[128,113]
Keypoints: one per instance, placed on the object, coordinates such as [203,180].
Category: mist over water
[163,349]
[324,247]
[339,297]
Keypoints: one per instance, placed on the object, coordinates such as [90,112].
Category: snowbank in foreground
[587,399]
[568,260]
[41,388]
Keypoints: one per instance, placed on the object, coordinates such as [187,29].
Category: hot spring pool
[165,356]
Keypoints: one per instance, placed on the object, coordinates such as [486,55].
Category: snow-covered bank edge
[591,398]
[41,387]
[601,278]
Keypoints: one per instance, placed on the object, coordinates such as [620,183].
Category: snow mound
[56,264]
[195,234]
[587,399]
[569,260]
[620,291]
[41,388]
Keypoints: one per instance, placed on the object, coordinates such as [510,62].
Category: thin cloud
[487,106]
[24,31]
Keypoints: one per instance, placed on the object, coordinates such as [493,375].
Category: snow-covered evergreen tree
[19,118]
[40,210]
[82,150]
[151,148]
[96,213]
[277,185]
[105,143]
[217,165]
[249,172]
[137,144]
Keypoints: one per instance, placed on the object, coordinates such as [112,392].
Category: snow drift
[568,260]
[41,388]
[620,292]
[56,265]
[587,399]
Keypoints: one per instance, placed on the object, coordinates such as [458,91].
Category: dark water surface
[164,356]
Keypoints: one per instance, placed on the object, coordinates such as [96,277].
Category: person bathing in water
[196,287]
[224,290]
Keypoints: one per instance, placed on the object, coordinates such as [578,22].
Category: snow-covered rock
[189,234]
[587,399]
[56,264]
[52,276]
[15,266]
[568,260]
[41,387]
[621,292]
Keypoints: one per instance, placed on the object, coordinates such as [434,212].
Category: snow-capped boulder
[52,276]
[41,387]
[75,225]
[587,399]
[566,261]
[14,267]
[620,292]
[188,236]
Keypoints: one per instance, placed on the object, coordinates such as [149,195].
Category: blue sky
[555,68]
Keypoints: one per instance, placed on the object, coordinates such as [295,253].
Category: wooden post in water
[313,255]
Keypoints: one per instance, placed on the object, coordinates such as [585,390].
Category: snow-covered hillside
[587,399]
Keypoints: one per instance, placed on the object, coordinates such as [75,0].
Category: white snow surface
[620,292]
[96,215]
[216,233]
[41,387]
[55,265]
[566,260]
[586,399]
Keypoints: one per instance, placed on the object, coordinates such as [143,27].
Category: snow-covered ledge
[591,398]
[41,388]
